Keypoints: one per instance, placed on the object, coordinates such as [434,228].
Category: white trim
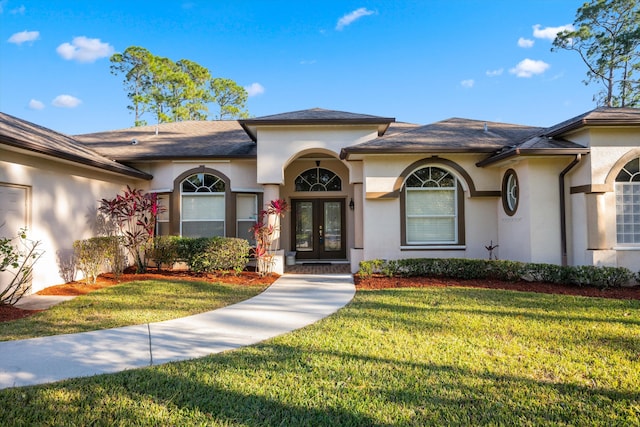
[200,162]
[626,248]
[162,190]
[247,190]
[435,247]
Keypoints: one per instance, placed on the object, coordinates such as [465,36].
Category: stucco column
[358,210]
[596,221]
[272,192]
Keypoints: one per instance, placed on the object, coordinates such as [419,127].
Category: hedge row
[459,268]
[202,254]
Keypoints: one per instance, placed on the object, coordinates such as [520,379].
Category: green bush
[204,254]
[165,251]
[94,254]
[460,268]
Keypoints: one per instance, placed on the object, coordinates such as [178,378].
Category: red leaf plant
[135,213]
[265,232]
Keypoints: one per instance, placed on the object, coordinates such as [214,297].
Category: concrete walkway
[291,302]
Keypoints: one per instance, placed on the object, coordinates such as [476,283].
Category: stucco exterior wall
[63,206]
[278,146]
[382,216]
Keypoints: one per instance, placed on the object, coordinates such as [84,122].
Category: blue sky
[417,61]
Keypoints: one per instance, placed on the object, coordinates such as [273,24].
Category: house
[359,186]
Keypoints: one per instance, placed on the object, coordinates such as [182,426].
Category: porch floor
[328,268]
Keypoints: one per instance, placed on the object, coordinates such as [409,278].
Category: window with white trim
[162,220]
[202,206]
[246,216]
[627,190]
[431,207]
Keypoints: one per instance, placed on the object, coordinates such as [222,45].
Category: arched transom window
[318,179]
[627,189]
[431,207]
[203,206]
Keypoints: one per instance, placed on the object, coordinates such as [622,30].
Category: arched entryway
[320,226]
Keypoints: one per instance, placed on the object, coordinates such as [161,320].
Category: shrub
[204,255]
[17,259]
[93,254]
[165,251]
[459,268]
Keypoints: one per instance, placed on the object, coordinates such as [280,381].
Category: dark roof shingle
[25,135]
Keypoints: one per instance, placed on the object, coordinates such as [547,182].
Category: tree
[175,91]
[230,97]
[606,35]
[134,63]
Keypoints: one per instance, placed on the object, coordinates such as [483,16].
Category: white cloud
[529,67]
[18,10]
[522,42]
[550,33]
[495,73]
[83,49]
[254,89]
[24,36]
[467,83]
[351,17]
[34,104]
[3,3]
[66,101]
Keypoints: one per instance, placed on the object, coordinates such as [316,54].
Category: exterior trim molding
[610,180]
[591,188]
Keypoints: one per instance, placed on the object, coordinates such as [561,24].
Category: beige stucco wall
[382,216]
[593,217]
[278,146]
[63,204]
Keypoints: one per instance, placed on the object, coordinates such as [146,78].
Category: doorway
[318,229]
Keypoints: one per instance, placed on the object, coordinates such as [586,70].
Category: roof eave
[346,152]
[586,122]
[119,169]
[528,152]
[250,125]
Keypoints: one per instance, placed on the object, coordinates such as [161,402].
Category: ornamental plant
[265,231]
[17,260]
[135,213]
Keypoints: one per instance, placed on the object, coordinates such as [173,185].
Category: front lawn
[431,356]
[130,303]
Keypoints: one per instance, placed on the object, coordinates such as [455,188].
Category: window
[510,192]
[162,220]
[203,206]
[431,207]
[318,179]
[627,190]
[246,216]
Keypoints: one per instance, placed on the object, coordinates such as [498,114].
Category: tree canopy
[606,35]
[175,91]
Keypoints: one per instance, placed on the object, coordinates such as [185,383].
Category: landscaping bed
[382,282]
[76,288]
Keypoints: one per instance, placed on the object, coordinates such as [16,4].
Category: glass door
[318,226]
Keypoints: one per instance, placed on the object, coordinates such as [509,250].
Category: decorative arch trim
[463,177]
[610,180]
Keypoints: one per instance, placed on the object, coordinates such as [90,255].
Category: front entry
[318,226]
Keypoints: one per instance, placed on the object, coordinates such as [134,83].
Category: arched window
[627,189]
[318,179]
[203,206]
[431,207]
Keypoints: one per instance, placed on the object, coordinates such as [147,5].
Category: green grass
[130,303]
[439,356]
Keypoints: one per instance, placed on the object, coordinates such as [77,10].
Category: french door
[318,229]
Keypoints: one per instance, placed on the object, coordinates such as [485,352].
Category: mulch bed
[380,282]
[75,288]
[8,313]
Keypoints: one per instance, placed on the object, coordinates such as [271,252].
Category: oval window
[510,192]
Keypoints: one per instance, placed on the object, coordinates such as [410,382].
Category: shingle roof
[315,116]
[454,135]
[601,116]
[25,135]
[178,140]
